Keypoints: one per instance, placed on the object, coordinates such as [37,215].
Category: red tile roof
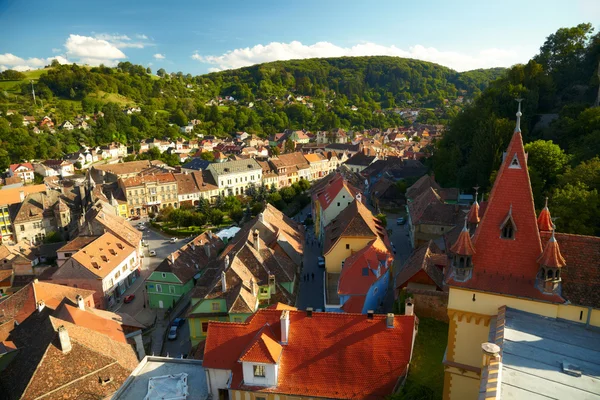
[264,348]
[428,258]
[473,216]
[551,256]
[352,279]
[354,304]
[320,359]
[544,221]
[463,245]
[86,319]
[509,266]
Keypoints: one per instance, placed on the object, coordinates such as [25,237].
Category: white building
[234,177]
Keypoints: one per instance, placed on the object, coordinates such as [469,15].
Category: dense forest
[560,124]
[261,102]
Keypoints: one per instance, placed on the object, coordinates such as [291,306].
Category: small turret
[473,215]
[544,221]
[463,251]
[551,263]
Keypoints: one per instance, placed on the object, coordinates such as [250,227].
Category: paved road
[180,346]
[311,291]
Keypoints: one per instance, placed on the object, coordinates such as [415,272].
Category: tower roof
[463,245]
[551,256]
[544,221]
[473,215]
[509,265]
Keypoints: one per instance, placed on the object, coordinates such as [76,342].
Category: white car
[152,253]
[173,240]
[172,333]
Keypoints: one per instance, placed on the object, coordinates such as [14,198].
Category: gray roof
[534,350]
[136,386]
[232,167]
[197,164]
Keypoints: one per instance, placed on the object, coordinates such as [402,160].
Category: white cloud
[140,36]
[123,41]
[55,50]
[243,57]
[10,61]
[92,51]
[159,56]
[111,37]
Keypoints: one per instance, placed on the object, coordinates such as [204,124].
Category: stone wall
[430,304]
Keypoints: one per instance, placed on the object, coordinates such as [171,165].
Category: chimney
[409,307]
[172,258]
[370,314]
[223,282]
[359,197]
[309,312]
[491,352]
[65,341]
[80,303]
[256,240]
[40,305]
[22,195]
[207,249]
[390,320]
[226,261]
[285,326]
[193,246]
[261,217]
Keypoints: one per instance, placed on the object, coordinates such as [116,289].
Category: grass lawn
[426,375]
[112,97]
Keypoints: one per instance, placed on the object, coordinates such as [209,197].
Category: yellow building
[150,193]
[513,259]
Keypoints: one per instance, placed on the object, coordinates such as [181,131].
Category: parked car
[321,262]
[401,221]
[172,333]
[129,298]
[141,227]
[178,322]
[152,253]
[173,240]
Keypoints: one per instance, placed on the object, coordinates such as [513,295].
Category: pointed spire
[551,256]
[519,113]
[463,245]
[544,221]
[473,215]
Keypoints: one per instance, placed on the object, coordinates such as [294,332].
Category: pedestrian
[313,276]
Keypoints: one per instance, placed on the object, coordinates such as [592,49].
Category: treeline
[560,125]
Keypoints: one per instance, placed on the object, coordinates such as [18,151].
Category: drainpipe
[589,317]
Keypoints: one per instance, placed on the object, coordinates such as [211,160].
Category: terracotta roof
[473,215]
[428,208]
[192,257]
[186,184]
[78,243]
[12,195]
[280,306]
[463,245]
[41,367]
[263,349]
[360,159]
[103,255]
[315,344]
[551,256]
[99,220]
[509,266]
[13,167]
[161,178]
[425,182]
[36,206]
[581,274]
[428,258]
[544,221]
[314,157]
[295,159]
[91,321]
[328,194]
[354,305]
[362,269]
[354,221]
[126,168]
[53,295]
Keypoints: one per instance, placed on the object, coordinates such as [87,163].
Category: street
[180,346]
[311,290]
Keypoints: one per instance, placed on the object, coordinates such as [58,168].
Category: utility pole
[33,91]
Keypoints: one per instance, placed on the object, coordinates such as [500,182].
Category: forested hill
[389,80]
[560,124]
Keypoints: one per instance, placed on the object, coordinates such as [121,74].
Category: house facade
[235,177]
[24,171]
[106,265]
[329,198]
[177,274]
[150,193]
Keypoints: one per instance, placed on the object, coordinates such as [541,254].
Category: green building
[177,274]
[258,268]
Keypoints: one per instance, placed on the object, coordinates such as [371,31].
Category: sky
[197,37]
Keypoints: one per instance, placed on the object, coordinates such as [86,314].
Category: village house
[319,165]
[106,265]
[9,199]
[46,122]
[177,274]
[28,120]
[351,231]
[150,193]
[259,267]
[289,354]
[24,171]
[359,161]
[113,150]
[39,215]
[235,177]
[515,261]
[67,126]
[330,197]
[270,179]
[423,270]
[291,168]
[60,168]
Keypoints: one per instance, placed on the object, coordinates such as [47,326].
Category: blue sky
[201,36]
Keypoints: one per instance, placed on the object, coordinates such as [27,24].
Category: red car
[129,298]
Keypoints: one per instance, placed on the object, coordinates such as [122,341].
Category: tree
[237,214]
[547,160]
[289,146]
[179,118]
[587,173]
[287,194]
[55,63]
[275,151]
[382,218]
[77,165]
[72,93]
[577,209]
[215,216]
[161,72]
[207,156]
[148,70]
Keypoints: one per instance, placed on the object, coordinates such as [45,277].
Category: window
[514,163]
[124,268]
[237,319]
[22,228]
[508,231]
[158,288]
[204,327]
[171,289]
[338,203]
[347,246]
[365,272]
[118,274]
[164,275]
[216,306]
[259,371]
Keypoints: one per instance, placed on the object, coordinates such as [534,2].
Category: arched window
[508,231]
[549,276]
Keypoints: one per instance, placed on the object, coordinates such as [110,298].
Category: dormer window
[508,226]
[514,163]
[259,371]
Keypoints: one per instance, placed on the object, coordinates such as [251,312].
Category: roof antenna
[476,192]
[519,113]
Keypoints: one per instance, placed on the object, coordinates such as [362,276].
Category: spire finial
[519,113]
[546,205]
[465,226]
[476,192]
